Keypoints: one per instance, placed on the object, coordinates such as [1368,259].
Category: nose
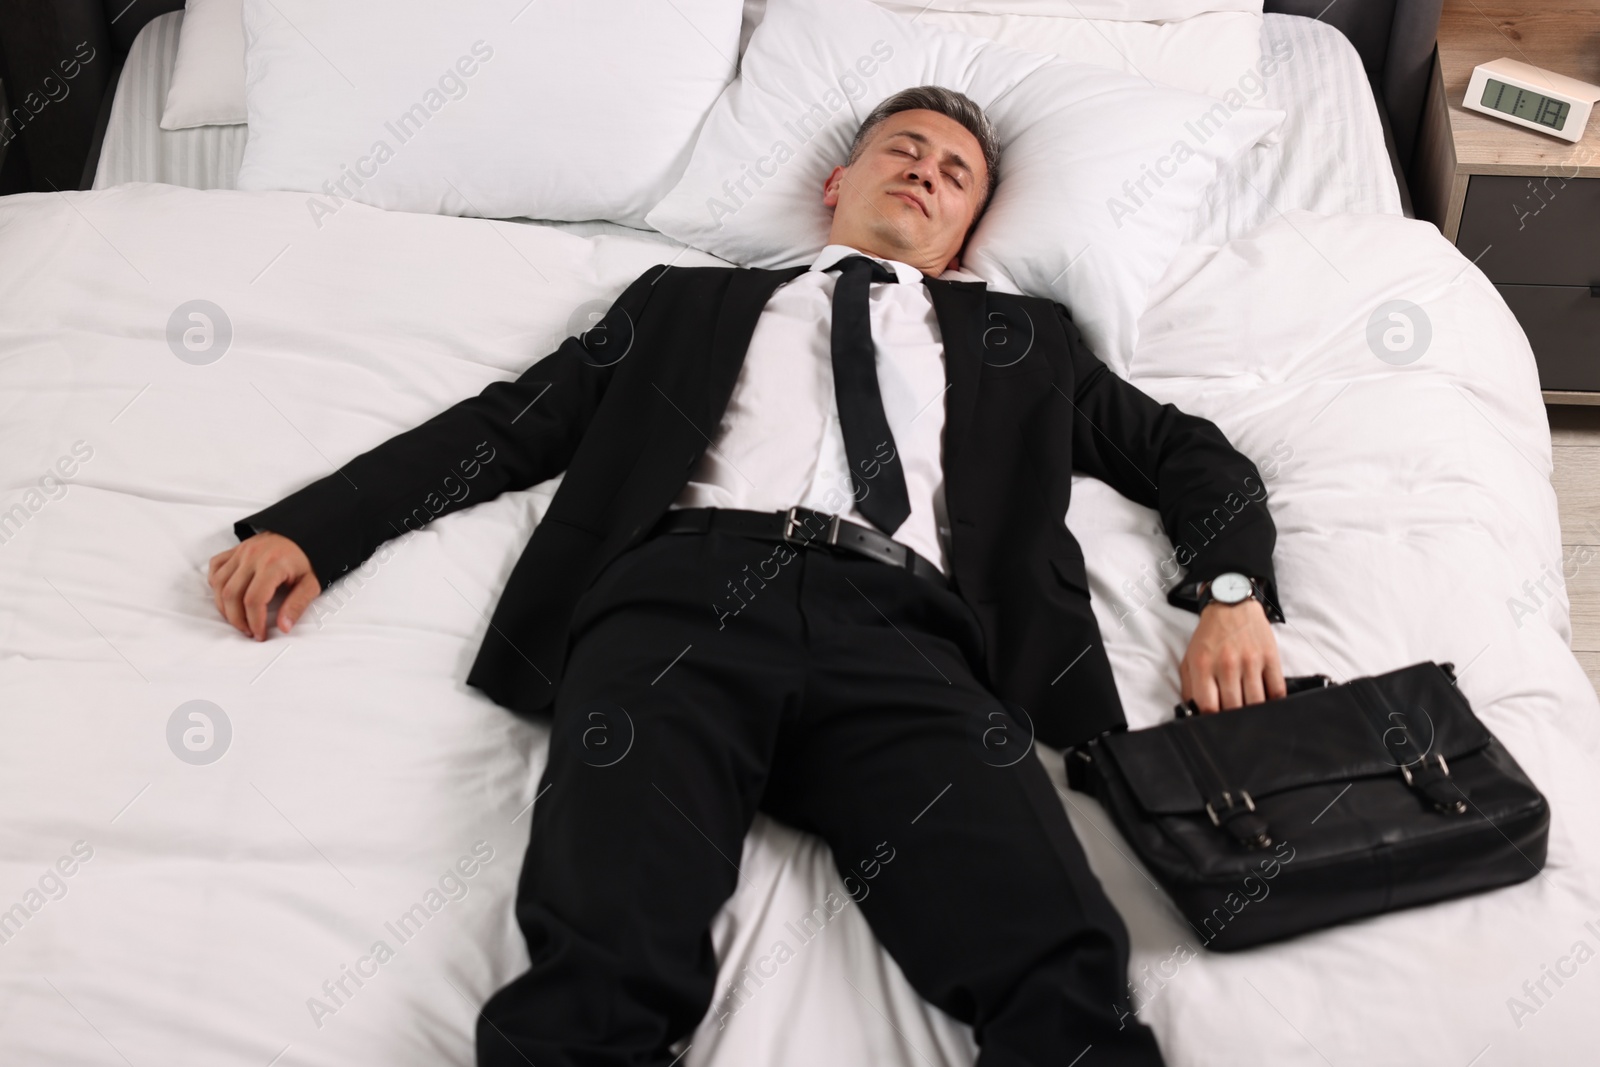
[912,174]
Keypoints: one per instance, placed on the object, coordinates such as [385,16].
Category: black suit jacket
[626,410]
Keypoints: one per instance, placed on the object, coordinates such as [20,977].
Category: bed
[210,904]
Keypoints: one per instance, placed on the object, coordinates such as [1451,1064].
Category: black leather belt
[805,527]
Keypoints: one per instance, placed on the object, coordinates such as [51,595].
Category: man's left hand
[1232,659]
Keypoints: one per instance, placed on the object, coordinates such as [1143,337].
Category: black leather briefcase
[1333,802]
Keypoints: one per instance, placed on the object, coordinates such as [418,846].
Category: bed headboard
[1393,37]
[127,17]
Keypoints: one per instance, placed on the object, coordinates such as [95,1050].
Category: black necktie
[876,473]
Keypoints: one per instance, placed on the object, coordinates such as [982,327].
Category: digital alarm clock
[1531,96]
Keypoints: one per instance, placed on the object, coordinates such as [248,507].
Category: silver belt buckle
[792,521]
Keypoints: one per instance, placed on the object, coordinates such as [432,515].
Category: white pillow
[1210,52]
[1078,215]
[1125,10]
[1098,10]
[208,75]
[1214,53]
[554,109]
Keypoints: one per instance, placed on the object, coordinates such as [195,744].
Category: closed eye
[952,175]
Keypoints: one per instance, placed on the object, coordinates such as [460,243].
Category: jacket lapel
[959,307]
[747,294]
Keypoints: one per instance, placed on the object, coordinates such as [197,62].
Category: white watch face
[1230,587]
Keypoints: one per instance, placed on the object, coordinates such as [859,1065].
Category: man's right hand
[247,576]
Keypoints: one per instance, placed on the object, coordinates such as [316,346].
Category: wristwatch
[1229,587]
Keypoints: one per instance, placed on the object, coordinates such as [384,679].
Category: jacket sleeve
[512,435]
[1211,499]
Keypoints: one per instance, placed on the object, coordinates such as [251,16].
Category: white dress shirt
[780,443]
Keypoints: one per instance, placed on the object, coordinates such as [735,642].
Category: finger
[303,593]
[220,558]
[257,597]
[1206,694]
[1276,687]
[221,567]
[219,581]
[233,597]
[1229,691]
[1251,681]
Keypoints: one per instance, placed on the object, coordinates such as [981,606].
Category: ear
[830,187]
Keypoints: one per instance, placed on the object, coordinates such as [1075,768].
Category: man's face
[912,193]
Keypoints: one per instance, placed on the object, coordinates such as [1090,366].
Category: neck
[927,264]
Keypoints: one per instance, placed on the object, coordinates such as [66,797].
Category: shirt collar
[905,273]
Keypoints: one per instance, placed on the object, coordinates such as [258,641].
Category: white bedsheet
[1330,156]
[1412,502]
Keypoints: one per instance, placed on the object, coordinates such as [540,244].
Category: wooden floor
[1575,441]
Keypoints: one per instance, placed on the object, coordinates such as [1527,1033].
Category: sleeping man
[809,557]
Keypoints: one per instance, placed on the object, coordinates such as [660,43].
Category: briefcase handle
[1299,683]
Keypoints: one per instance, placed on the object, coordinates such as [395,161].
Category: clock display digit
[1533,107]
[1552,113]
[1496,89]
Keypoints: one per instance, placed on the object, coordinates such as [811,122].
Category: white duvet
[336,888]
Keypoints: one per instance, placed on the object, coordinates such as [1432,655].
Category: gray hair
[946,102]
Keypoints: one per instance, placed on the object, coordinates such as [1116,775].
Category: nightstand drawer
[1542,230]
[1563,326]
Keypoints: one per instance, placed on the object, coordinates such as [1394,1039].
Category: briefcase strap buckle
[1241,821]
[1443,766]
[1439,789]
[1227,798]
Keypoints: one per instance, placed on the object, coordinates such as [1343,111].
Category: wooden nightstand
[1525,206]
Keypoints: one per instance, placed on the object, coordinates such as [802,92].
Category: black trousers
[711,676]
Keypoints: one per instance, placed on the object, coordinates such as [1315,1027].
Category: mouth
[911,198]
